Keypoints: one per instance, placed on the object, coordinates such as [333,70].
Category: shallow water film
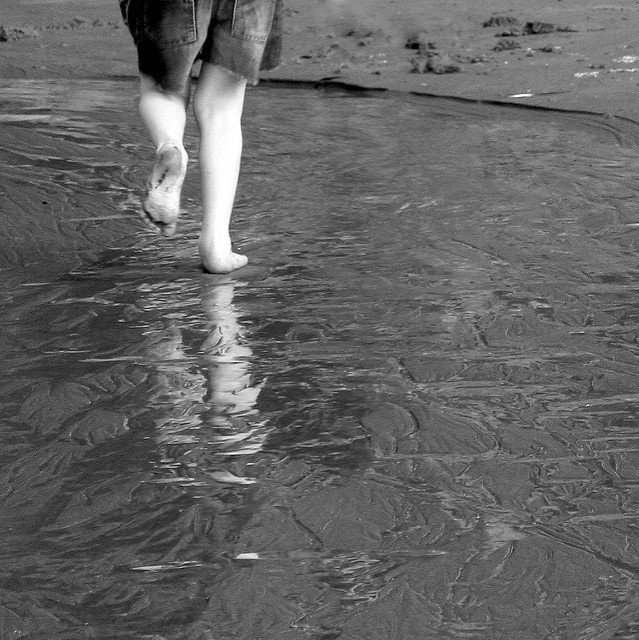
[413,416]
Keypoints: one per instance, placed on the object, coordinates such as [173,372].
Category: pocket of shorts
[170,23]
[252,19]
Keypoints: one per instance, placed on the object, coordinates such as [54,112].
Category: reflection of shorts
[242,36]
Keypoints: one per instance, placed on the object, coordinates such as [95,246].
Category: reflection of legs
[218,103]
[164,115]
[226,354]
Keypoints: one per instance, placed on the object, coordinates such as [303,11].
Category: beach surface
[413,415]
[576,54]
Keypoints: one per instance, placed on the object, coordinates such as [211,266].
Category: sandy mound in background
[580,54]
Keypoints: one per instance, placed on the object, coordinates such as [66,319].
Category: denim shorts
[242,36]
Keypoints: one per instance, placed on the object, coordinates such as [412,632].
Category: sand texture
[579,54]
[413,416]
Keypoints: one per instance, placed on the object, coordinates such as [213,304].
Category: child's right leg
[164,115]
[218,104]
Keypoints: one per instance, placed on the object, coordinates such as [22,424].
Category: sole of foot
[161,205]
[220,261]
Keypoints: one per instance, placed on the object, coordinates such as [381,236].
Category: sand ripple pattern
[414,415]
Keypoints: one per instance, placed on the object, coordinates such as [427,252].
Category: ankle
[218,238]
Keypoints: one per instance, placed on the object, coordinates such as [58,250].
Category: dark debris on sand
[17,33]
[530,28]
[541,28]
[550,48]
[501,21]
[506,44]
[418,41]
[431,60]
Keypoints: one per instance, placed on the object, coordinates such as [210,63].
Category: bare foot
[162,201]
[218,257]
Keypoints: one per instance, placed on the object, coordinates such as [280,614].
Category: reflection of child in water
[227,355]
[208,402]
[234,39]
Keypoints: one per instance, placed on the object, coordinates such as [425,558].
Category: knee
[219,96]
[154,91]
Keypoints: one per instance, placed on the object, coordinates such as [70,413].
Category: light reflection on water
[412,416]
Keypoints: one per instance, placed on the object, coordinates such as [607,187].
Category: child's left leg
[164,115]
[218,102]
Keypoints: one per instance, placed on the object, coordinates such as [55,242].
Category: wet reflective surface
[414,415]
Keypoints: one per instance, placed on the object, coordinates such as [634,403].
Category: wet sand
[413,415]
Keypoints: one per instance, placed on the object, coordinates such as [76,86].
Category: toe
[168,229]
[149,221]
[242,260]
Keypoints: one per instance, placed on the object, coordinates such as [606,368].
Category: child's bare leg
[164,115]
[218,104]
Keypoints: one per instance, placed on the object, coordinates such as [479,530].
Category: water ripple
[413,415]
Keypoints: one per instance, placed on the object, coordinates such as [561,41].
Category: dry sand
[587,59]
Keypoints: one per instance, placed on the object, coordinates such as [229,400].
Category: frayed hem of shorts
[235,74]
